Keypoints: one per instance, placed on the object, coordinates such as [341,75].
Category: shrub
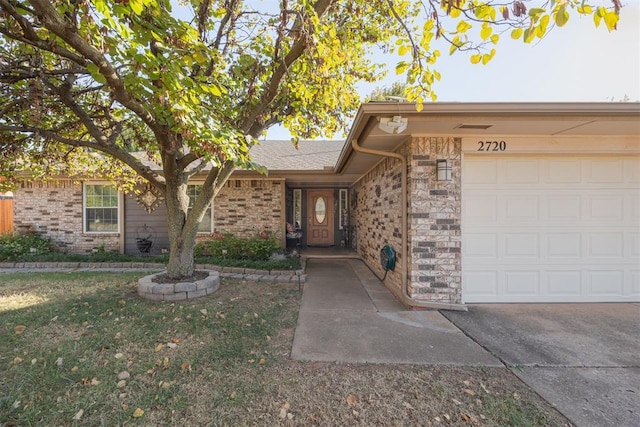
[258,248]
[19,245]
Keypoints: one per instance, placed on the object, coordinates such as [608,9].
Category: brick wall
[376,217]
[434,225]
[244,207]
[434,219]
[54,210]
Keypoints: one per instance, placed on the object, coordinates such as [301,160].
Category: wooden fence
[6,214]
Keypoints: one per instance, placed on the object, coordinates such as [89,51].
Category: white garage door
[551,228]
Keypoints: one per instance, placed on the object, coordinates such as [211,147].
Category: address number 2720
[492,145]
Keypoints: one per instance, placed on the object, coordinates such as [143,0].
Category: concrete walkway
[347,315]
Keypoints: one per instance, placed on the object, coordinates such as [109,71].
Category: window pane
[205,225]
[102,220]
[101,208]
[297,208]
[193,190]
[321,210]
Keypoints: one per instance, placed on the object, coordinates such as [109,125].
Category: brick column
[434,221]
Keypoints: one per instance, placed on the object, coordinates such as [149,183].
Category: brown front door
[320,211]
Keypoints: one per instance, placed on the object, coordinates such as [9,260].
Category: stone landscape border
[238,273]
[180,291]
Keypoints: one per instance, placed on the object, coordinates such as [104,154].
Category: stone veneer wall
[434,226]
[434,219]
[54,210]
[377,217]
[244,207]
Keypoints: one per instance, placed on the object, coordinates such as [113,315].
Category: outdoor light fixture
[395,124]
[444,170]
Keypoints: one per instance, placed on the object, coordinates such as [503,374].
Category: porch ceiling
[503,120]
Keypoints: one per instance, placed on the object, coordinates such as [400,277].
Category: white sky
[577,63]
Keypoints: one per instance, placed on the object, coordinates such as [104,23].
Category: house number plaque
[492,146]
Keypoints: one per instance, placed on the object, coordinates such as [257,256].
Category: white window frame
[84,208]
[200,184]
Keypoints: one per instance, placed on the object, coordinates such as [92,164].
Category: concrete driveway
[582,358]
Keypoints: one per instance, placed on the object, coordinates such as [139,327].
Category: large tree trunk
[181,263]
[183,222]
[182,235]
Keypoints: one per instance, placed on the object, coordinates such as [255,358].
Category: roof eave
[471,109]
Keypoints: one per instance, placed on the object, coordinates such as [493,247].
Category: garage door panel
[605,208]
[635,282]
[482,208]
[563,245]
[522,171]
[605,282]
[607,245]
[522,208]
[522,282]
[521,245]
[634,203]
[605,170]
[482,171]
[633,166]
[569,231]
[563,207]
[564,284]
[485,284]
[633,245]
[563,171]
[481,245]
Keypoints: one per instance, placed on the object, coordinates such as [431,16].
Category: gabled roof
[309,156]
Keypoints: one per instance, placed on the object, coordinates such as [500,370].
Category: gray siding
[135,218]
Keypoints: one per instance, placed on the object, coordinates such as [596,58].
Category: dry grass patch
[90,352]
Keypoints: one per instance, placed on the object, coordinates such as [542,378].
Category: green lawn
[82,348]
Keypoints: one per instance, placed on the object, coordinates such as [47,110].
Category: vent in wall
[472,126]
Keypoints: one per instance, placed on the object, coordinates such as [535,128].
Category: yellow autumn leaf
[585,10]
[611,19]
[138,413]
[403,50]
[463,26]
[517,33]
[486,32]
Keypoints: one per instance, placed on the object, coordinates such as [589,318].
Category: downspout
[404,293]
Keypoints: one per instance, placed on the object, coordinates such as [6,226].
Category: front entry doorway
[320,225]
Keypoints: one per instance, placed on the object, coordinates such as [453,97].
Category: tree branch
[115,152]
[57,25]
[297,50]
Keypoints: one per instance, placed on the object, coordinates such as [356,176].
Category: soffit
[513,119]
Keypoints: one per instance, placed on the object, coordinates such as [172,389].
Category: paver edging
[236,273]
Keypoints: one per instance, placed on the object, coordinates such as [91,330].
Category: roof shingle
[310,155]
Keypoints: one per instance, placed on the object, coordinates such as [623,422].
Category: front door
[320,223]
